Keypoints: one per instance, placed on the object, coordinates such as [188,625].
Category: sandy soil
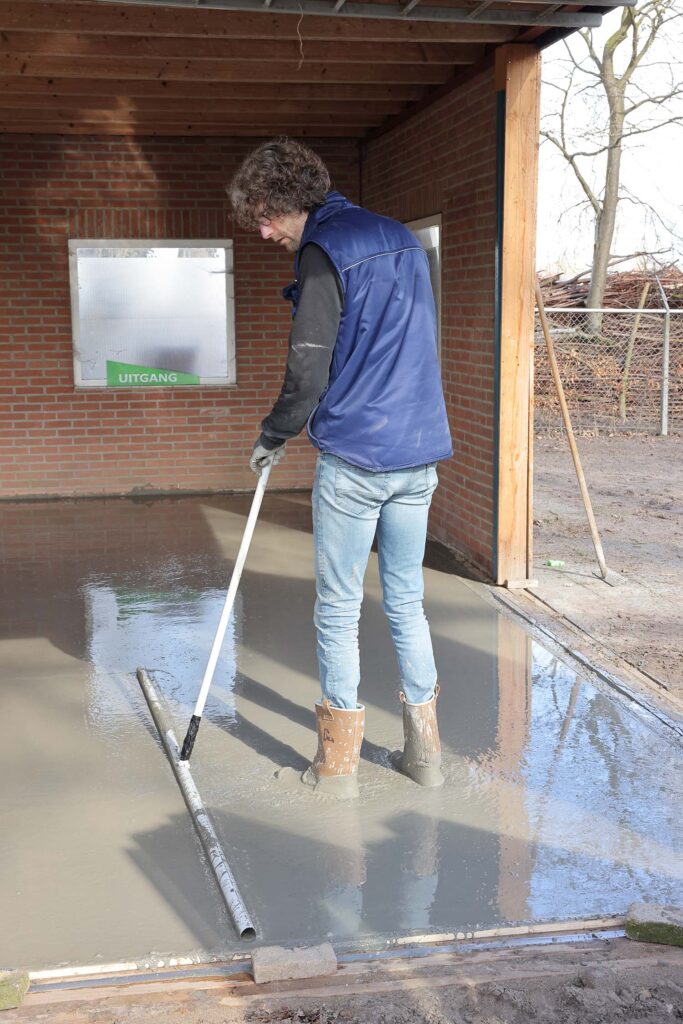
[601,982]
[636,486]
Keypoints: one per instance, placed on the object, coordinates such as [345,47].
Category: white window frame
[430,222]
[229,381]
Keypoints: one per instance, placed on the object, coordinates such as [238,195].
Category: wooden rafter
[236,117]
[50,44]
[222,71]
[174,92]
[295,129]
[186,108]
[241,67]
[64,16]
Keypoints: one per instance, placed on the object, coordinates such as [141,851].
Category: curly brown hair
[280,176]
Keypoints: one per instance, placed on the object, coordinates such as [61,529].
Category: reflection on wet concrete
[560,800]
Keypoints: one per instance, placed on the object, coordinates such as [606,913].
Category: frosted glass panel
[150,305]
[428,234]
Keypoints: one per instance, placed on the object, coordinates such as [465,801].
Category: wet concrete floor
[562,801]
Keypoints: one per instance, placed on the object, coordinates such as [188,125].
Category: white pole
[225,615]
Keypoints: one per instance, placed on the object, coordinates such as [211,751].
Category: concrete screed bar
[202,822]
[179,758]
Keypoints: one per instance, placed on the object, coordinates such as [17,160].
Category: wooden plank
[431,96]
[328,130]
[51,44]
[126,19]
[220,71]
[183,108]
[530,477]
[93,117]
[207,91]
[518,69]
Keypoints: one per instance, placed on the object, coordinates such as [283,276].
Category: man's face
[285,230]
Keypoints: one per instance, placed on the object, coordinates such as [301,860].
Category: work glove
[261,456]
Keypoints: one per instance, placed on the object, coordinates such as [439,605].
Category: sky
[651,163]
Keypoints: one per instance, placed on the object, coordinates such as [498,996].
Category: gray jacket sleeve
[311,344]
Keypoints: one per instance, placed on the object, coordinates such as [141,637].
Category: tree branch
[592,153]
[587,36]
[630,197]
[655,100]
[590,195]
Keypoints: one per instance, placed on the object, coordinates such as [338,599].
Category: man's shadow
[267,745]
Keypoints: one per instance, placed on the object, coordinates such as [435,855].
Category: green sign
[128,375]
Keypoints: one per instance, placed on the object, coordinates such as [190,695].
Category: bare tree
[632,110]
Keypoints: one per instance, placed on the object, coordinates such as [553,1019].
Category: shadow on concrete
[270,700]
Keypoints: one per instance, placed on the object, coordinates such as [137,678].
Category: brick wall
[56,441]
[444,161]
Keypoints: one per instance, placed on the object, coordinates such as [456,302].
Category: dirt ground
[636,486]
[599,982]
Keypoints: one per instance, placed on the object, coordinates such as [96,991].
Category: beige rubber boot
[334,770]
[420,759]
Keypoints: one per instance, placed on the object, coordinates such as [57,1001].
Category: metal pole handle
[193,727]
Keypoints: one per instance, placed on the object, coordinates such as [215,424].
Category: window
[152,314]
[428,233]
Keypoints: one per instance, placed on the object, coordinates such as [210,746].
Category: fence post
[664,413]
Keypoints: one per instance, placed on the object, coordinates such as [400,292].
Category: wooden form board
[518,74]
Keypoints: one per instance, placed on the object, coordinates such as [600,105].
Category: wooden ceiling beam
[186,108]
[51,44]
[339,92]
[42,127]
[125,19]
[95,117]
[221,71]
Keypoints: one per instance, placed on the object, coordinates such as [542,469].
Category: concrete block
[648,922]
[13,988]
[277,963]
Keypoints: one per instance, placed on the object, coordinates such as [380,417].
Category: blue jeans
[350,505]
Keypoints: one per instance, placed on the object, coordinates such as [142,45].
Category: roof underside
[249,67]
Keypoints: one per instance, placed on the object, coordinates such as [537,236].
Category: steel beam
[395,12]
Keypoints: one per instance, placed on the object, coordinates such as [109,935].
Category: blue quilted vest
[383,407]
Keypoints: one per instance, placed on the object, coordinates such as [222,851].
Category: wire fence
[622,370]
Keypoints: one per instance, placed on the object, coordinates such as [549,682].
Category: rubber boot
[334,770]
[420,758]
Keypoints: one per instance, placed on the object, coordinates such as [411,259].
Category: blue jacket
[383,407]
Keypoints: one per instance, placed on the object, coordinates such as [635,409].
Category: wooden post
[518,71]
[623,387]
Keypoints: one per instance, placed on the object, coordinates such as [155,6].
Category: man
[363,376]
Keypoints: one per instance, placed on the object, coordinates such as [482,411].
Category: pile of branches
[623,290]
